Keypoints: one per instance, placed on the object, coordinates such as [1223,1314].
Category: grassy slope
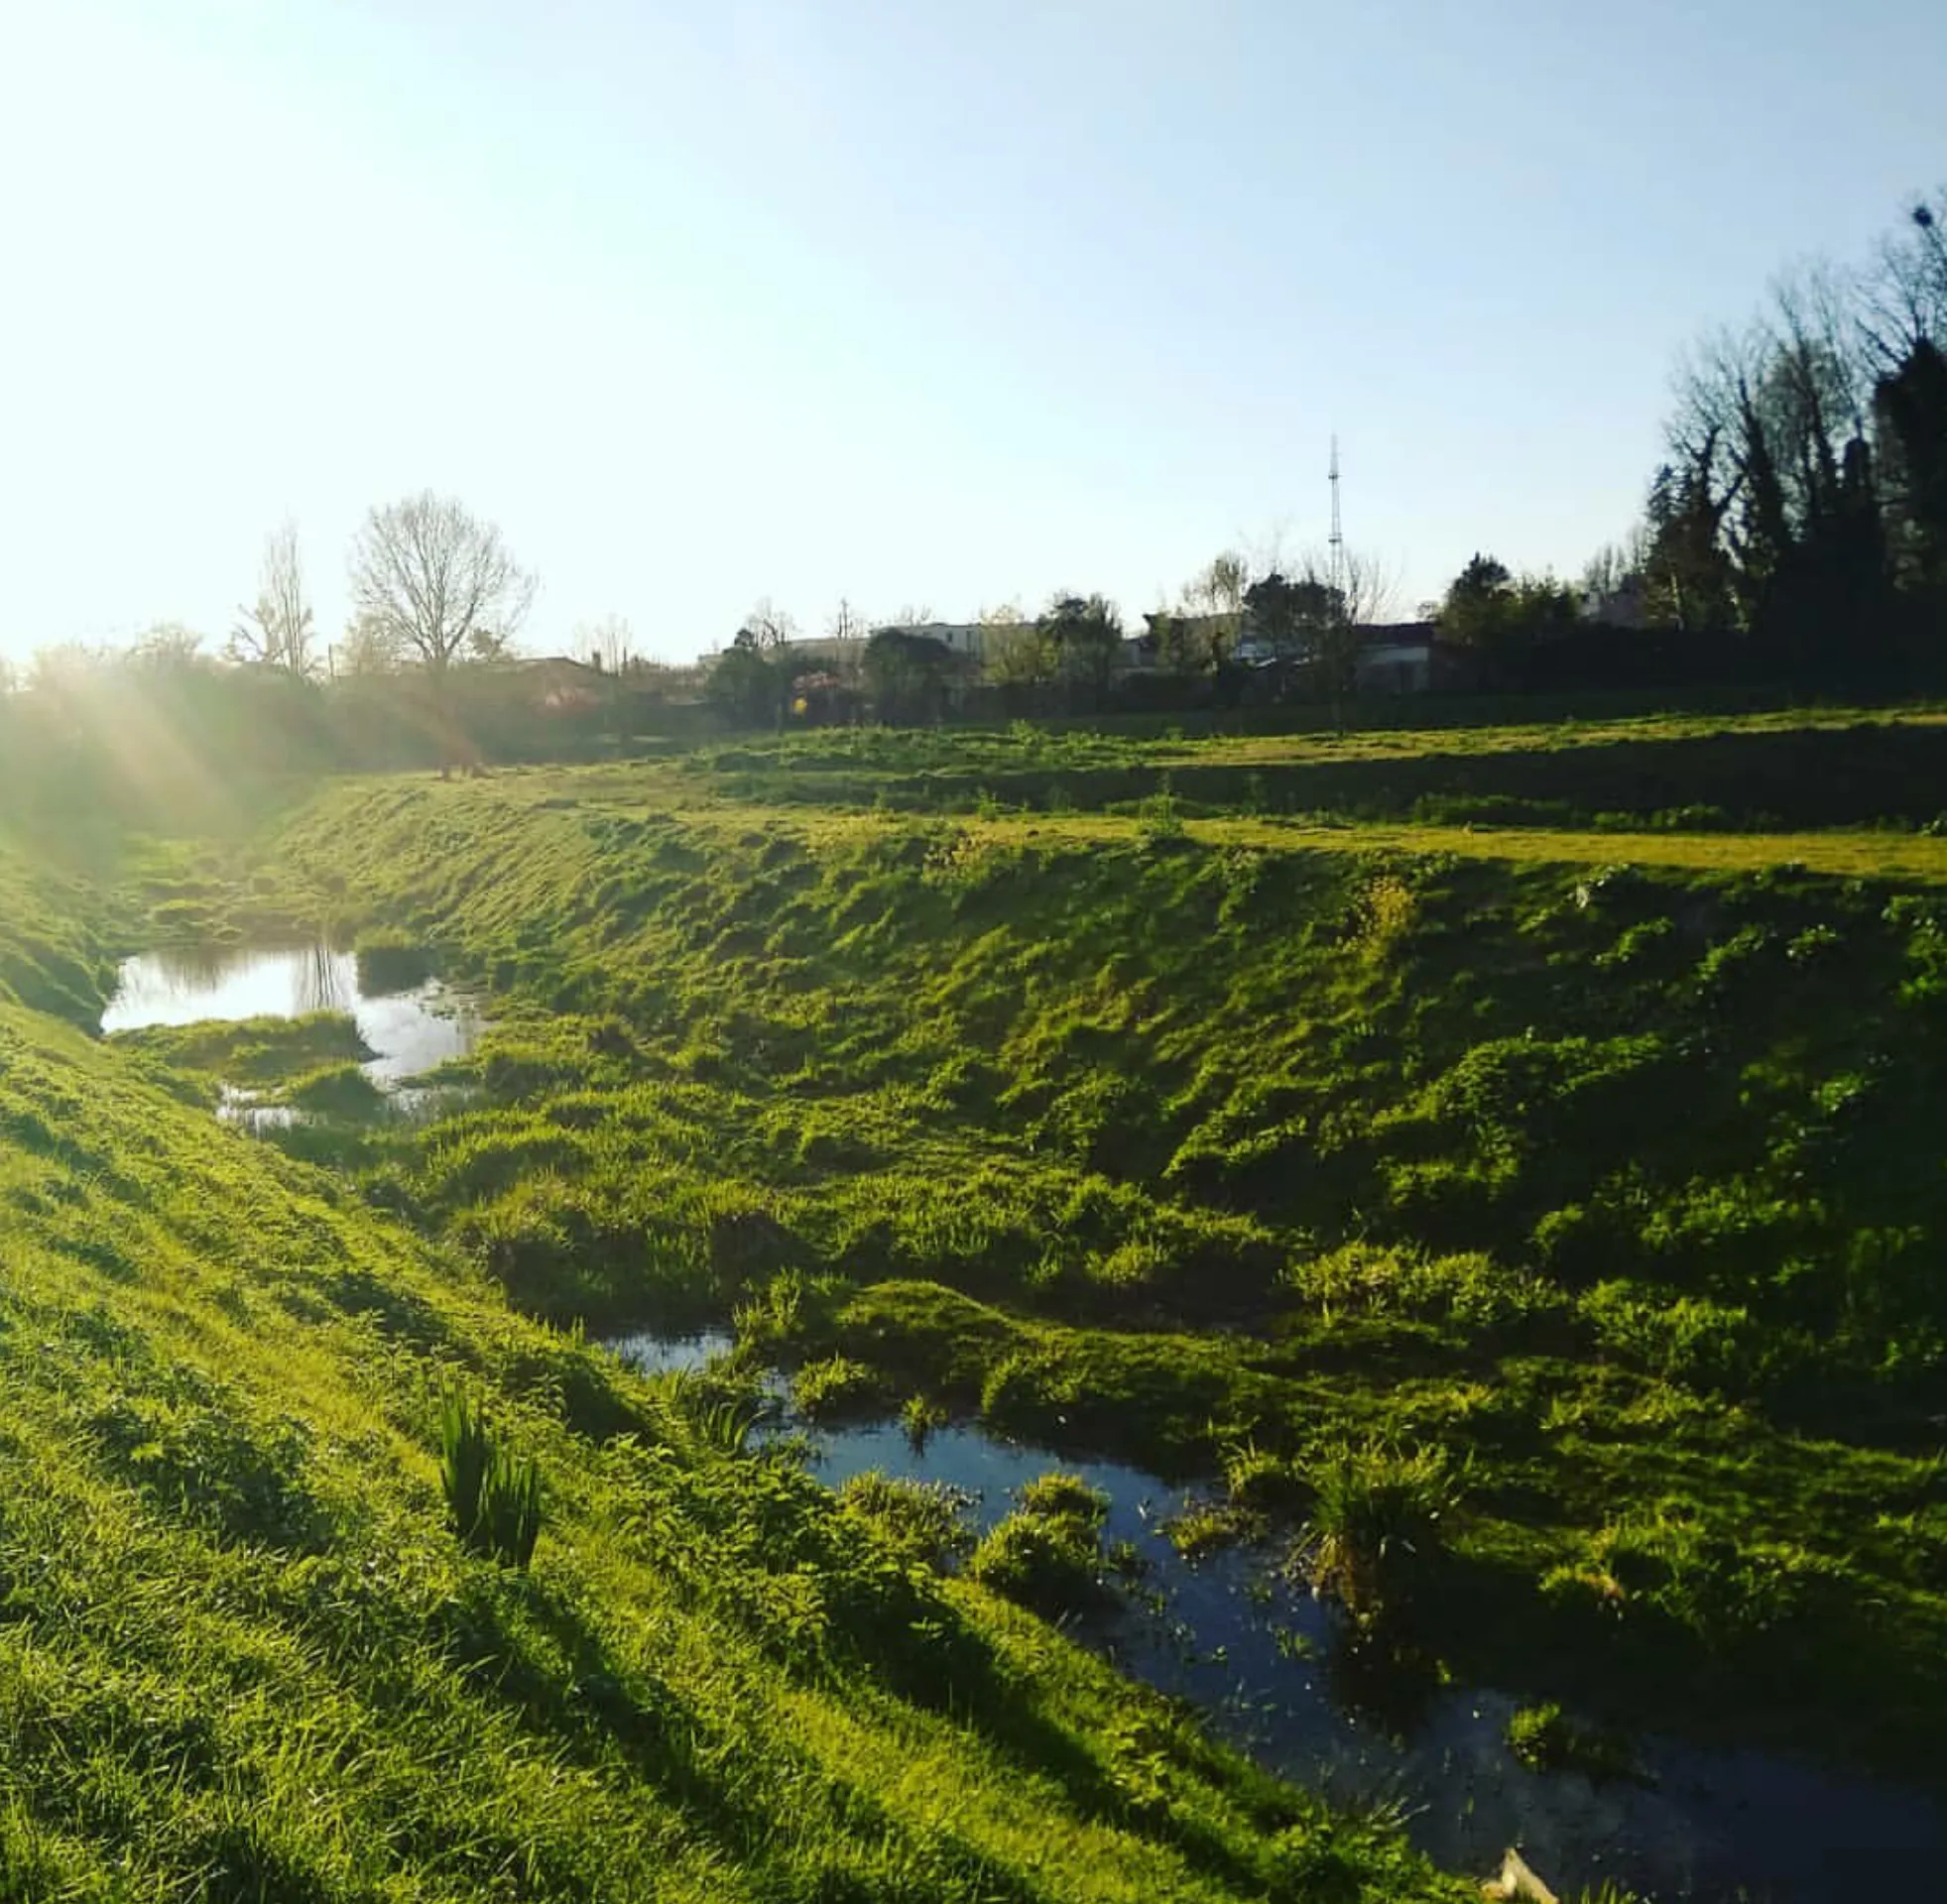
[1667,1133]
[1766,773]
[241,1656]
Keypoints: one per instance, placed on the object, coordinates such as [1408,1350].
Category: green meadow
[1500,1167]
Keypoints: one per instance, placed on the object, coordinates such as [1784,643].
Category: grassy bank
[245,1653]
[1614,1182]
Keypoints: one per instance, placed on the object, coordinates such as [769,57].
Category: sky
[906,303]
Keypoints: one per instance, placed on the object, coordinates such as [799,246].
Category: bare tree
[607,643]
[767,624]
[277,633]
[847,624]
[164,644]
[437,584]
[1903,294]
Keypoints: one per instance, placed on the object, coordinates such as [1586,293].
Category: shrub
[1377,1526]
[493,1495]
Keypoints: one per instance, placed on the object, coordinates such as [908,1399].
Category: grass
[1609,1180]
[254,1051]
[1377,1531]
[1264,1134]
[246,1654]
[1049,1555]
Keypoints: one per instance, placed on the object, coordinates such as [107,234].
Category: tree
[1214,598]
[1084,636]
[767,626]
[607,645]
[1015,654]
[369,647]
[1474,612]
[1178,641]
[905,676]
[751,679]
[277,633]
[846,623]
[435,583]
[164,645]
[1499,617]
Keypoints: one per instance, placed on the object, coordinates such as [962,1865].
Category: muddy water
[1267,1666]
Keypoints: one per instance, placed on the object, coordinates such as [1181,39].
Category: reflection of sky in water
[411,1031]
[1717,1820]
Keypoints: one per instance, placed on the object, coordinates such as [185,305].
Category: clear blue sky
[908,303]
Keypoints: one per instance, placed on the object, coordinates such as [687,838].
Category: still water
[408,1031]
[1264,1663]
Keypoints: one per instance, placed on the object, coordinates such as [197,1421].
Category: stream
[1712,1826]
[1256,1657]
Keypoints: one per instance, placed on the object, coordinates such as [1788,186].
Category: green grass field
[1301,1138]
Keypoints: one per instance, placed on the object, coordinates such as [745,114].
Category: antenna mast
[1337,560]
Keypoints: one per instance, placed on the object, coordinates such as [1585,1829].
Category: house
[561,685]
[968,639]
[1398,658]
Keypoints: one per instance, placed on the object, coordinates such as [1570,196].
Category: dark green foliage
[493,1495]
[1379,1527]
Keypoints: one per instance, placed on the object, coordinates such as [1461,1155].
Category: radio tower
[1336,561]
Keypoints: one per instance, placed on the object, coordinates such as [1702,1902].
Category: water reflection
[408,1032]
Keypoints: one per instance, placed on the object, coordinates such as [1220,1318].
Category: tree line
[1796,527]
[1795,532]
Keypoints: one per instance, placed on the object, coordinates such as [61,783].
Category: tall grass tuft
[1377,1526]
[493,1495]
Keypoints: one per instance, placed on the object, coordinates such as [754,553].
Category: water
[1265,1664]
[409,1033]
[654,1355]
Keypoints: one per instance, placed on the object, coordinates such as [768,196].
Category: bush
[493,1495]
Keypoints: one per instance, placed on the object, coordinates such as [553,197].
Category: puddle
[409,1033]
[1259,1659]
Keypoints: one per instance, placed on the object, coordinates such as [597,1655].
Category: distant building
[1398,658]
[961,638]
